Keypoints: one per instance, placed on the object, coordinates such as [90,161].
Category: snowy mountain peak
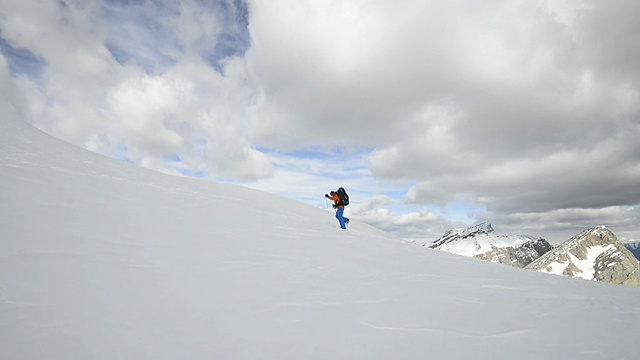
[481,242]
[480,228]
[594,254]
[462,233]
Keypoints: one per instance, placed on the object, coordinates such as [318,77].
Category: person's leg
[340,218]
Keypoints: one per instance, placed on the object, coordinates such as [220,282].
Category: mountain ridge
[480,241]
[594,254]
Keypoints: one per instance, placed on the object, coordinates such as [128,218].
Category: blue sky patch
[21,61]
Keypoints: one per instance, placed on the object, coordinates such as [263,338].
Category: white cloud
[182,107]
[422,226]
[513,107]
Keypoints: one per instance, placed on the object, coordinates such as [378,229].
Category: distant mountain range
[634,248]
[595,254]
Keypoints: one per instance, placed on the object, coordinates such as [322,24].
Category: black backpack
[344,197]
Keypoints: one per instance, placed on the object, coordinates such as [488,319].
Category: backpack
[344,197]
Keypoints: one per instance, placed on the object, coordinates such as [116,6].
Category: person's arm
[335,198]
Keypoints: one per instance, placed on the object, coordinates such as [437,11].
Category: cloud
[420,226]
[559,225]
[519,110]
[608,41]
[338,72]
[142,81]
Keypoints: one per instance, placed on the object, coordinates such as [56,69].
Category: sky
[433,115]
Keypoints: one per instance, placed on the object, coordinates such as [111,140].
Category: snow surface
[104,260]
[587,270]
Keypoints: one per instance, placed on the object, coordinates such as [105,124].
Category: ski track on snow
[437,330]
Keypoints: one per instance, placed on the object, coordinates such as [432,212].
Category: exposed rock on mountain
[594,254]
[518,256]
[480,241]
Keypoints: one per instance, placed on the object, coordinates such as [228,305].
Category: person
[337,204]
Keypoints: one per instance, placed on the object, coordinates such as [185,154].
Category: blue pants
[341,218]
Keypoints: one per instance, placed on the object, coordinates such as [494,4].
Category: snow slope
[104,260]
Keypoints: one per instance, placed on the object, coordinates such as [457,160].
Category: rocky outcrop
[481,242]
[594,254]
[518,256]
